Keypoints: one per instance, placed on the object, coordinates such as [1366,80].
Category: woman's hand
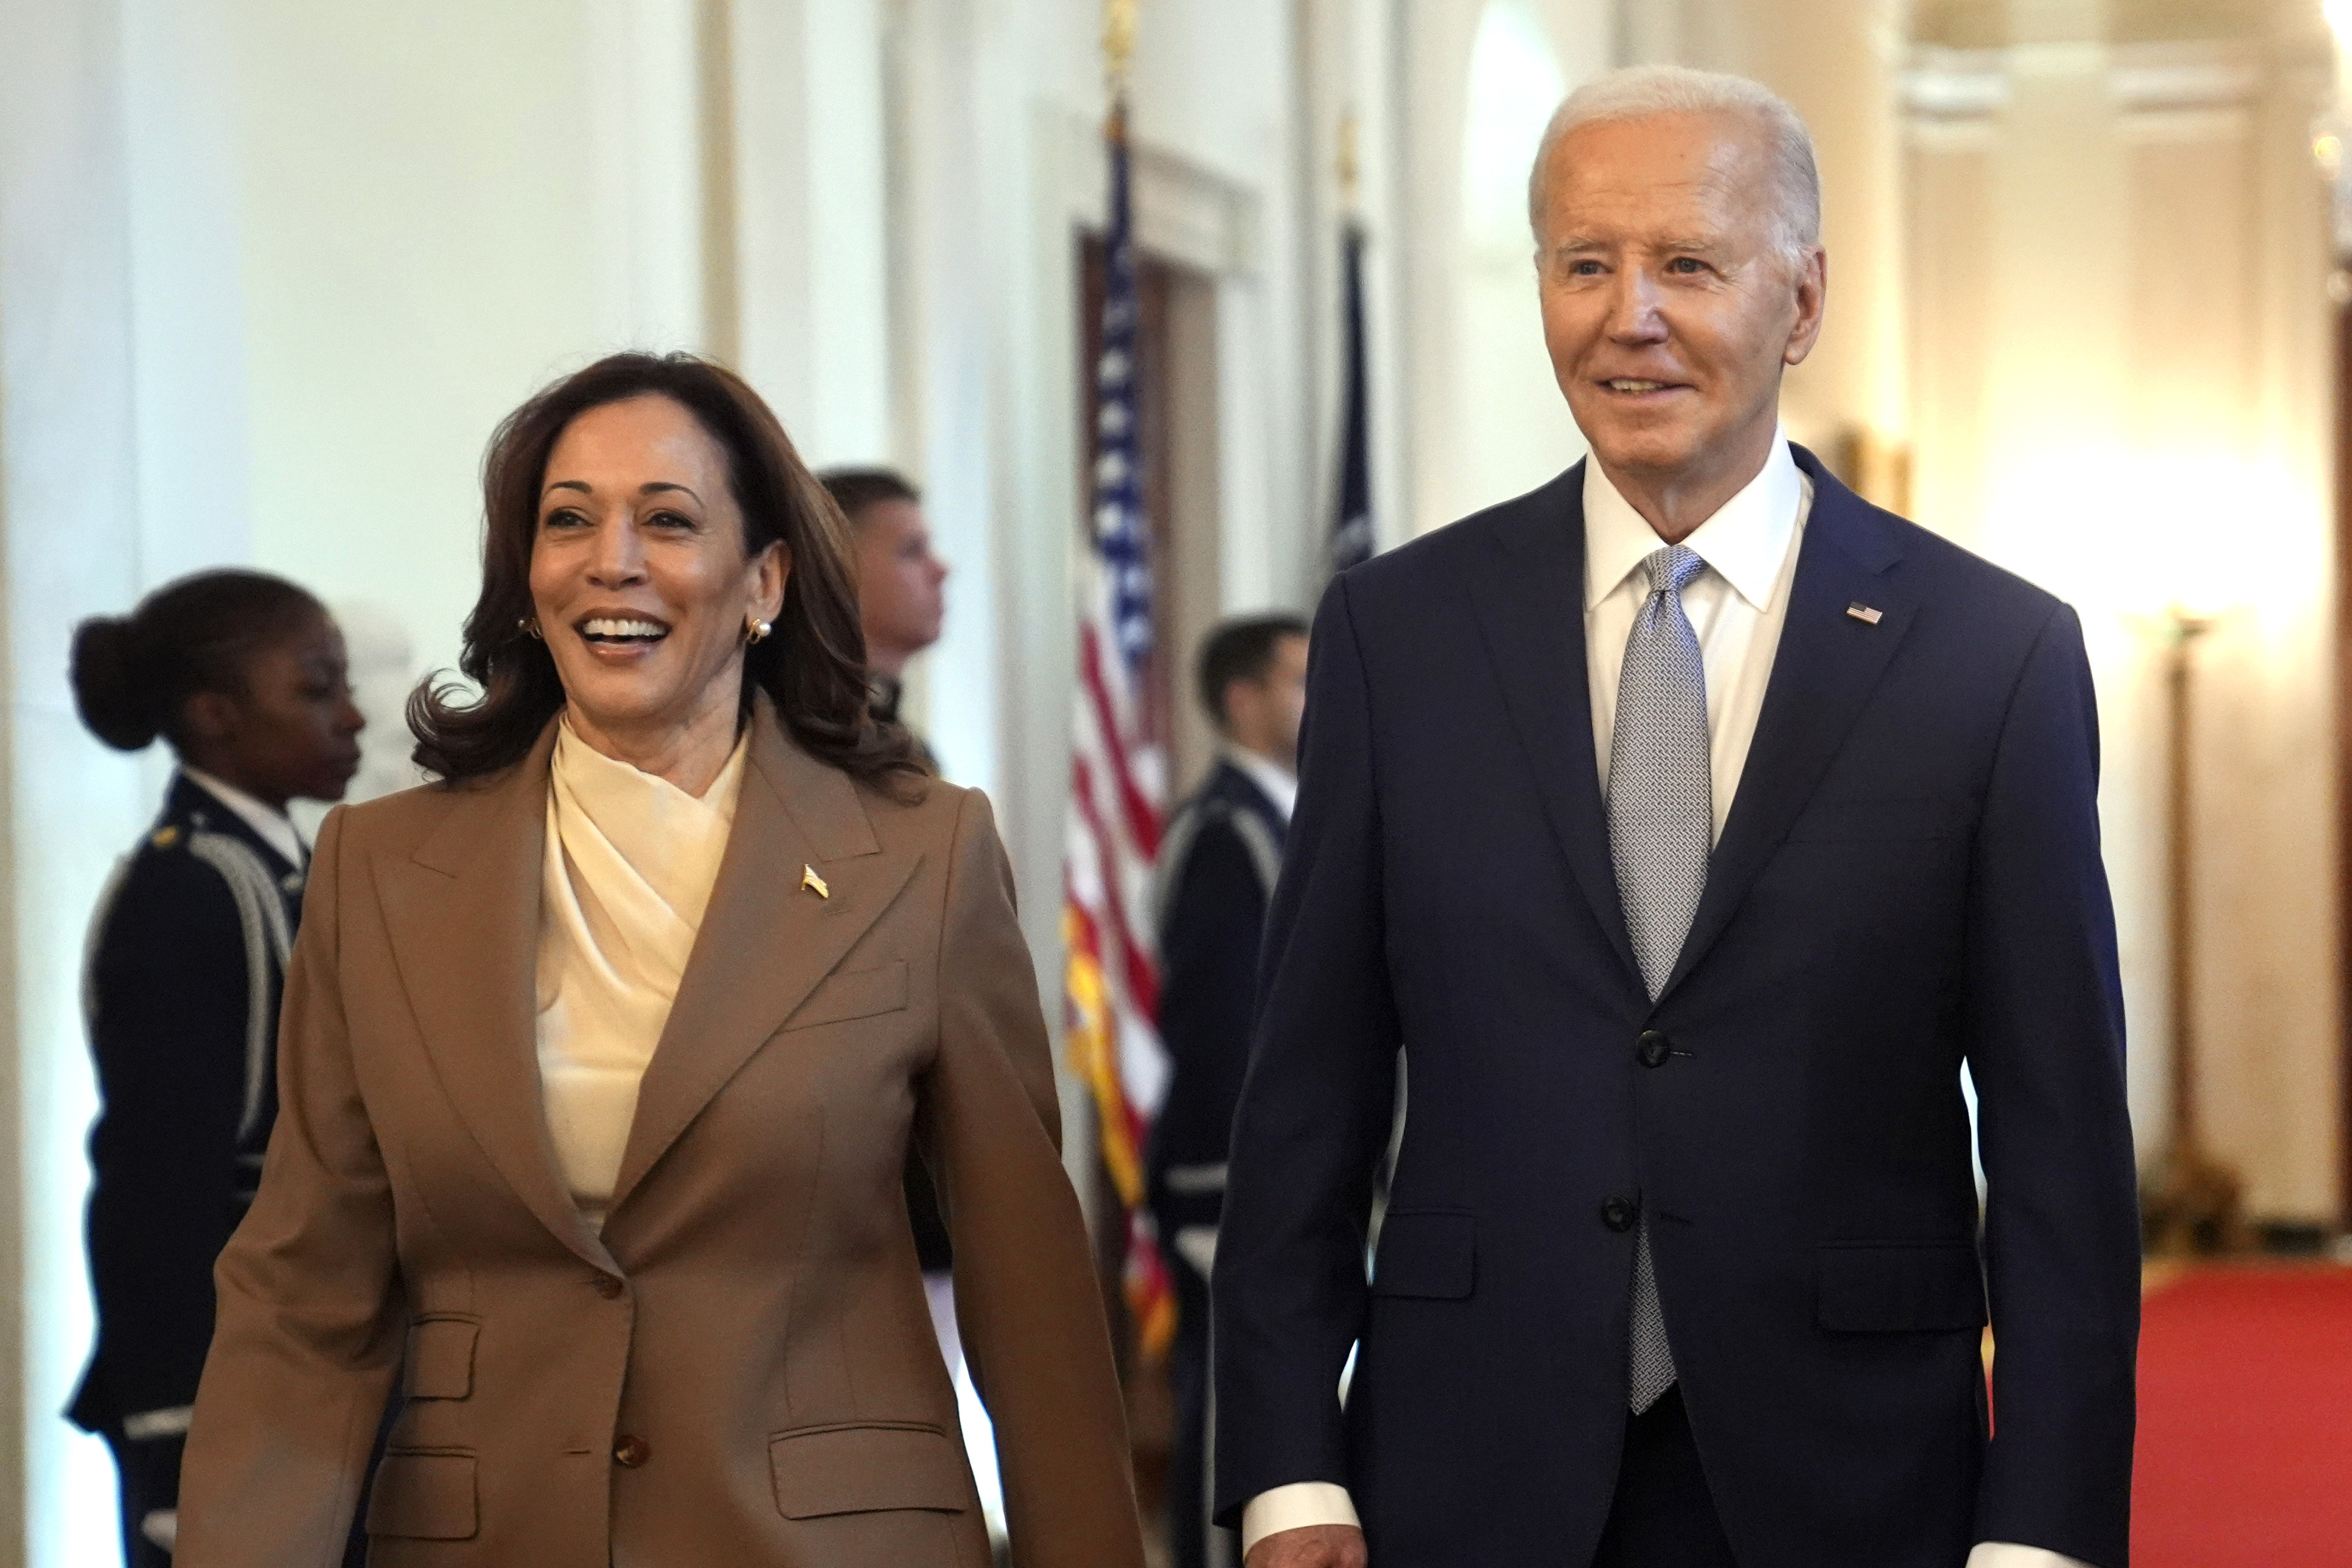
[1313,1546]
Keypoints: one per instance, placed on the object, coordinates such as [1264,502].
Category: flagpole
[1351,128]
[1352,539]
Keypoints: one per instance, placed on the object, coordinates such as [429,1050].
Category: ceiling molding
[2166,77]
[1943,85]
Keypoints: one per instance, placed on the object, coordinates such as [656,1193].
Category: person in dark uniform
[1217,866]
[902,607]
[244,676]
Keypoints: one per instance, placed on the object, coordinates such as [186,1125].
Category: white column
[945,382]
[1836,62]
[1433,40]
[187,307]
[811,220]
[70,507]
[643,115]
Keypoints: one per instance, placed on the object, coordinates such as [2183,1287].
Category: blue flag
[1351,529]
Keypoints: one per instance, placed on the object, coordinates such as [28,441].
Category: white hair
[1641,92]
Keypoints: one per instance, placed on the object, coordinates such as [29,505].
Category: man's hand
[1315,1546]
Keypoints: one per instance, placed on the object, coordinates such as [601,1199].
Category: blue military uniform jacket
[188,959]
[1218,865]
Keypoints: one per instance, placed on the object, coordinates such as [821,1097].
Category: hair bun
[114,695]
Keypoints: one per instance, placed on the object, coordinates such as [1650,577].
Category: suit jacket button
[609,1287]
[1619,1215]
[1654,1049]
[631,1452]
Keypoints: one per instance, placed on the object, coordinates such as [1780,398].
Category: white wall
[109,134]
[1512,429]
[1479,79]
[809,136]
[437,216]
[2148,430]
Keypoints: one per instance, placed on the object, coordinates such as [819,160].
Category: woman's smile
[615,637]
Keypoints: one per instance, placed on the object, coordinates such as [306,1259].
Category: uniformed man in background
[1217,867]
[901,584]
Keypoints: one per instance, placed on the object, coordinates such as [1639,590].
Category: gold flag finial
[1349,165]
[1118,43]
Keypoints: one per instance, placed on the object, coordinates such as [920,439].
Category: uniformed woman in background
[244,676]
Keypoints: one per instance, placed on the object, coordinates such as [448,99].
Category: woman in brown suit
[601,1061]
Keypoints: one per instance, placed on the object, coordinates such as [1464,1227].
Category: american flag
[1110,977]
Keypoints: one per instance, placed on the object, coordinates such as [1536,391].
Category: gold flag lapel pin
[1864,613]
[813,883]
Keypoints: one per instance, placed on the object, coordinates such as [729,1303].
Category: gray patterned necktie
[1661,829]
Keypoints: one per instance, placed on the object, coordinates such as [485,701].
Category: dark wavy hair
[814,667]
[133,675]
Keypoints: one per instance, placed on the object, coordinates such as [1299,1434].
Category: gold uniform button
[631,1452]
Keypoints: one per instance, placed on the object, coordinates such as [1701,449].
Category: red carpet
[2245,1420]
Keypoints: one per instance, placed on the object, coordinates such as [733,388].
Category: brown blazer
[741,1370]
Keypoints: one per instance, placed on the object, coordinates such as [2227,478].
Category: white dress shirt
[275,827]
[1736,607]
[1279,784]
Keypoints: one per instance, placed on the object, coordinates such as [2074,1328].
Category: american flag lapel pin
[814,883]
[1864,613]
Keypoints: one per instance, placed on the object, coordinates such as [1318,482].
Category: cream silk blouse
[629,866]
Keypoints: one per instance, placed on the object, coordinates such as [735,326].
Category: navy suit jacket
[1909,880]
[1217,862]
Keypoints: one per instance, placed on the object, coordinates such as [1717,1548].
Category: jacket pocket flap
[441,1358]
[428,1496]
[1427,1253]
[859,994]
[865,1469]
[1898,1287]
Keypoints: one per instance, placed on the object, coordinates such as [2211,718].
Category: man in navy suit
[1690,824]
[1217,868]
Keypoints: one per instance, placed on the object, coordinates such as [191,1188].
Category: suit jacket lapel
[1827,665]
[1530,607]
[463,912]
[766,940]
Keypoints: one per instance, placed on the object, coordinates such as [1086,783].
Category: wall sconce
[1872,466]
